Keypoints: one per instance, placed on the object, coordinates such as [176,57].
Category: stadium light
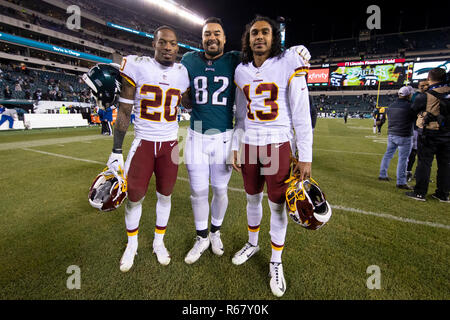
[176,9]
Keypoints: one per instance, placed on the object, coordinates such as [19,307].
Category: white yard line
[63,156]
[337,207]
[350,152]
[45,142]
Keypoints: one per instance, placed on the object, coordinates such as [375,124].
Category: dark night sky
[321,20]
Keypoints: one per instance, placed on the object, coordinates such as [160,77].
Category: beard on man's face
[215,52]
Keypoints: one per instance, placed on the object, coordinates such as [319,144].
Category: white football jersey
[158,93]
[272,109]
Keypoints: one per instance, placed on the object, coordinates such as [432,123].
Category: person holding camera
[433,121]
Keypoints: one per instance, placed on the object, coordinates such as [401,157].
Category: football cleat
[105,82]
[245,253]
[216,243]
[277,281]
[306,203]
[127,260]
[200,245]
[162,254]
[108,191]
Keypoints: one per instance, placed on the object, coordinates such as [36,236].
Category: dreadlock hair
[275,50]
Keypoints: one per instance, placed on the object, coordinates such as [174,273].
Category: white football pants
[208,157]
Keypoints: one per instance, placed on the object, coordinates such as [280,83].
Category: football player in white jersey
[276,103]
[153,86]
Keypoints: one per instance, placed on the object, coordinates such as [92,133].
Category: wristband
[117,150]
[128,101]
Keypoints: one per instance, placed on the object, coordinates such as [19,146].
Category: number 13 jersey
[158,93]
[268,112]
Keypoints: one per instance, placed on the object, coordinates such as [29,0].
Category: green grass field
[47,225]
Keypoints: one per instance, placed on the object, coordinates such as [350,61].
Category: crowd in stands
[101,10]
[19,82]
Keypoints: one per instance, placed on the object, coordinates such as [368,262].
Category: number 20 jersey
[158,93]
[268,114]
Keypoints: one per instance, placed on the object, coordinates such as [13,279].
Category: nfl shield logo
[164,76]
[209,63]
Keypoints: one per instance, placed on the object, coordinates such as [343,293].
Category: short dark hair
[213,20]
[164,27]
[275,50]
[437,74]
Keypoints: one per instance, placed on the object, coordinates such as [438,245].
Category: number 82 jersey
[212,90]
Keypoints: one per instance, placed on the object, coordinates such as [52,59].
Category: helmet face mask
[108,191]
[306,204]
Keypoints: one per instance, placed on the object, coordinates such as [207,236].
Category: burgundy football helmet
[108,190]
[306,203]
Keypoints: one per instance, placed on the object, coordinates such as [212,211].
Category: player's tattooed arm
[123,114]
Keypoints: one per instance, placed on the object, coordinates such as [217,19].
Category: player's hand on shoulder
[303,52]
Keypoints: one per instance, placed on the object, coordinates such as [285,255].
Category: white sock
[200,207]
[163,206]
[133,212]
[278,227]
[254,216]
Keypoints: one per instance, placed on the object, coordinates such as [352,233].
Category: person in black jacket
[423,86]
[400,132]
[434,139]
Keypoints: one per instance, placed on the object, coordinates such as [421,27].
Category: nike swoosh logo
[282,286]
[226,141]
[278,145]
[303,88]
[172,144]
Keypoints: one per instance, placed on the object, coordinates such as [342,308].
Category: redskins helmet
[108,190]
[104,80]
[306,203]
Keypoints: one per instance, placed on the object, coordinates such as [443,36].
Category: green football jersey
[212,90]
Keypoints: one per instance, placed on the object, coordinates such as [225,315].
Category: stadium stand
[399,45]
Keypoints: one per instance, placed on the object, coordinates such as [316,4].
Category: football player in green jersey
[208,142]
[207,152]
